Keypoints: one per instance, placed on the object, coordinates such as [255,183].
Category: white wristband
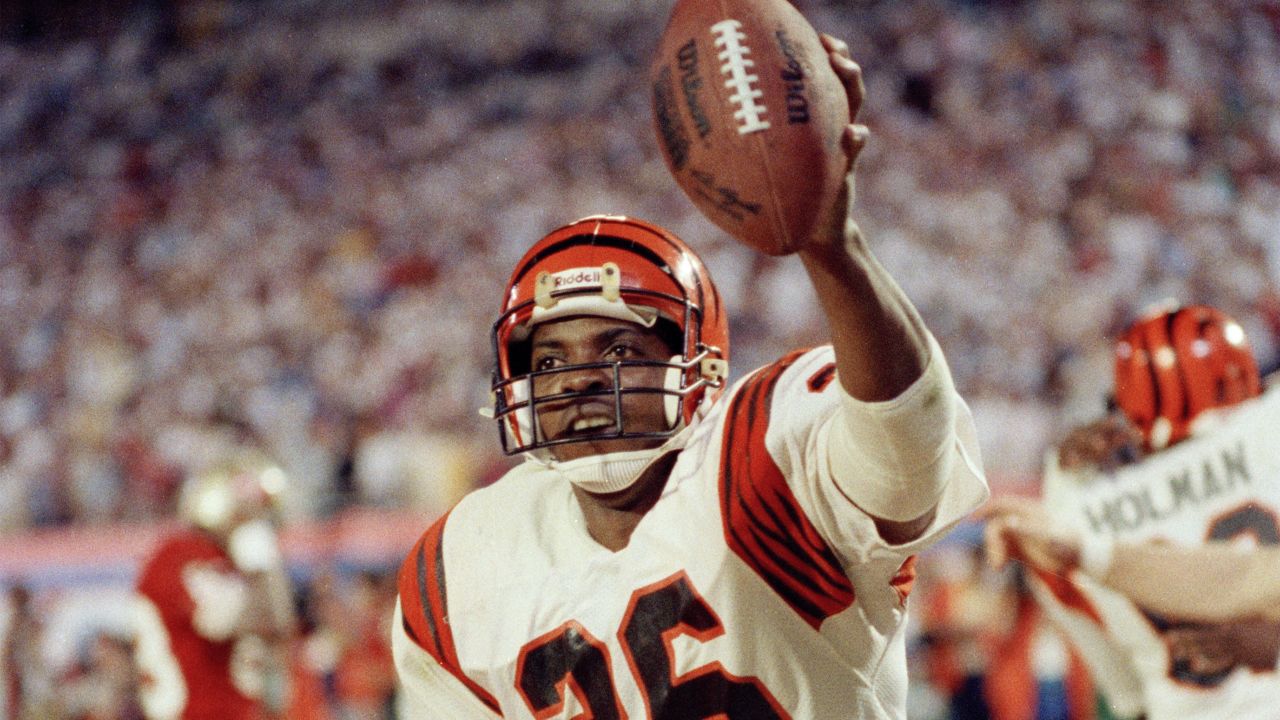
[253,547]
[1095,556]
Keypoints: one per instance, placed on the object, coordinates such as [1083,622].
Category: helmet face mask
[624,270]
[1172,365]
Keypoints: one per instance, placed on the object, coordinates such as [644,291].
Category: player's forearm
[1213,583]
[892,442]
[878,336]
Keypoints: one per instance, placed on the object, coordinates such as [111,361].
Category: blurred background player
[1189,457]
[1167,579]
[214,611]
[668,552]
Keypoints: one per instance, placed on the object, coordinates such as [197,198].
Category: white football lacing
[737,66]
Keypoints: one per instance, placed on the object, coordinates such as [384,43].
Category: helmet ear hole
[519,357]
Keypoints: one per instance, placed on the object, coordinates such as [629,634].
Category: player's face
[577,341]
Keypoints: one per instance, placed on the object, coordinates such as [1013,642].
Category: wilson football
[749,115]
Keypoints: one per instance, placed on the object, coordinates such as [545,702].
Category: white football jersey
[1222,484]
[754,588]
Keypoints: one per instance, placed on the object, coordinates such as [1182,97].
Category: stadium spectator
[103,683]
[234,206]
[28,682]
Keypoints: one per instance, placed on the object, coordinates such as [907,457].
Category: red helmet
[239,486]
[620,268]
[1174,364]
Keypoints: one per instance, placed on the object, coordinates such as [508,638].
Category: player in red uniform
[1190,458]
[673,547]
[213,603]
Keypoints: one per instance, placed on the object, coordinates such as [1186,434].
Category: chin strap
[611,472]
[607,472]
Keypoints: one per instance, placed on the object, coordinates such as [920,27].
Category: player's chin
[586,447]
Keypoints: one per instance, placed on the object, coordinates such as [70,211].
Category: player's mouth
[588,424]
[588,420]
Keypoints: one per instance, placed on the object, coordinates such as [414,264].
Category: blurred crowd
[296,218]
[292,221]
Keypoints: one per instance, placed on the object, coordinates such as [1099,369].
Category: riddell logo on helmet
[575,277]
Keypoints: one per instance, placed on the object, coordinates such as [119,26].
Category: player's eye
[546,362]
[622,351]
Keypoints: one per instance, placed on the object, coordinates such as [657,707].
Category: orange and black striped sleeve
[425,605]
[764,523]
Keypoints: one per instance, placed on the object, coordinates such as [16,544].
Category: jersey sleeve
[1073,614]
[426,657]
[790,412]
[784,513]
[160,581]
[192,584]
[427,689]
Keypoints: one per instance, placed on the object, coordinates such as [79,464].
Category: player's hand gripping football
[837,225]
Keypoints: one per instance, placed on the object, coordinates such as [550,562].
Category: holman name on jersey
[1238,460]
[1153,498]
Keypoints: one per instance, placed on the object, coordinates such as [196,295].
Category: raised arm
[880,341]
[901,407]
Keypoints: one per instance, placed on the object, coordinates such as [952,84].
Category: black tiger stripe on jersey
[424,605]
[763,522]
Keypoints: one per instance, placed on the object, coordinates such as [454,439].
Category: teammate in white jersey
[673,547]
[1191,459]
[1162,578]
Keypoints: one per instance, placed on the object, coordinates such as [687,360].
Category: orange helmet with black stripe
[1175,363]
[621,268]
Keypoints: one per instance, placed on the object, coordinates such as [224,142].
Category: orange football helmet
[619,268]
[1173,364]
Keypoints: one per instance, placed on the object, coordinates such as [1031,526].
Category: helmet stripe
[1173,323]
[601,240]
[620,243]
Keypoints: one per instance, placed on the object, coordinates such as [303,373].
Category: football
[749,116]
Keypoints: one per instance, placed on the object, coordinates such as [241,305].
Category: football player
[1189,458]
[1159,577]
[213,605]
[673,546]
